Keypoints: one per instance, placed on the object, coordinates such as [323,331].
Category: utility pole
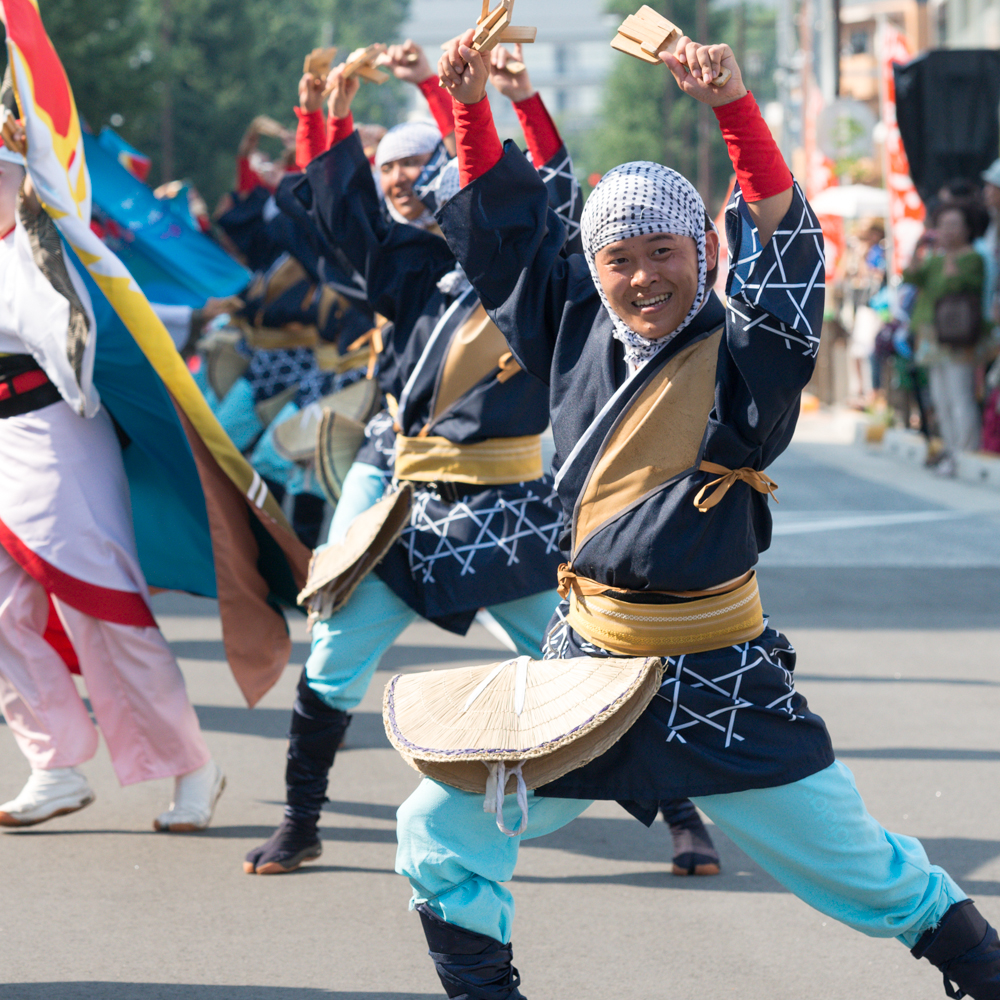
[704,116]
[669,93]
[167,115]
[784,74]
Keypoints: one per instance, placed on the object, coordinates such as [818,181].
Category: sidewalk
[843,426]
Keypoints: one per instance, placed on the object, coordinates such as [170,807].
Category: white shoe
[55,792]
[195,795]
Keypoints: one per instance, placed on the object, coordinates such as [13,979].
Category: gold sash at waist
[494,462]
[625,628]
[330,359]
[266,338]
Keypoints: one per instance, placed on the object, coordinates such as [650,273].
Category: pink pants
[136,689]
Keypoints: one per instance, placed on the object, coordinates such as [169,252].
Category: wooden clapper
[645,34]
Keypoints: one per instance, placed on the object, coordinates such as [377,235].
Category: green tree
[357,23]
[182,79]
[104,46]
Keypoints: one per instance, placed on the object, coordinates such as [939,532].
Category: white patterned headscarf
[400,142]
[408,139]
[636,199]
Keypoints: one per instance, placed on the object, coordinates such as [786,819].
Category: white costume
[66,532]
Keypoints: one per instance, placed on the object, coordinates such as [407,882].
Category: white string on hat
[636,199]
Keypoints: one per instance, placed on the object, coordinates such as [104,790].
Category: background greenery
[210,66]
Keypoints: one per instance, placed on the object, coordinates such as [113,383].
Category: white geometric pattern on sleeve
[761,294]
[561,182]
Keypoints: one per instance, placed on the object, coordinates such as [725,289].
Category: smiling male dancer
[666,408]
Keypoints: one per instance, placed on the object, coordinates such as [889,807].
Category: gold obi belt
[267,338]
[707,620]
[495,462]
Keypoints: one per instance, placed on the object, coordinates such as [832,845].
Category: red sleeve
[760,167]
[246,177]
[310,137]
[479,146]
[339,129]
[440,101]
[539,129]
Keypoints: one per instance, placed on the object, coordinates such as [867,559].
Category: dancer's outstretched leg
[456,860]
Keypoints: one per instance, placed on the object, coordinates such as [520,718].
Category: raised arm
[401,264]
[500,225]
[549,154]
[764,178]
[310,137]
[409,63]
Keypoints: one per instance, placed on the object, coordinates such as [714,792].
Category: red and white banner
[906,210]
[820,175]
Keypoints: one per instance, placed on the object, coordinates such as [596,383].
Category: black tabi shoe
[291,845]
[316,733]
[694,852]
[470,966]
[966,950]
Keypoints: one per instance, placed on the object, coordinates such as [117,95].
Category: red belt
[20,384]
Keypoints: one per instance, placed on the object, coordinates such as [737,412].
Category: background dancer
[666,409]
[481,534]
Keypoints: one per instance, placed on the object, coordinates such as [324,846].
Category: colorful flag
[205,521]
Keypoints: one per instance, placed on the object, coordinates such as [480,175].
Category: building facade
[568,63]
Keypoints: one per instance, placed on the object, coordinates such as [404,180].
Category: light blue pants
[271,464]
[347,646]
[814,836]
[238,416]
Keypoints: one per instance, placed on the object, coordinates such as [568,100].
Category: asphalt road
[887,581]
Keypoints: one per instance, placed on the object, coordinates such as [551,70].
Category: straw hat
[337,569]
[296,437]
[337,444]
[548,716]
[269,408]
[225,364]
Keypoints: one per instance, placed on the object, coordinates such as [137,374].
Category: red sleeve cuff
[479,146]
[539,129]
[246,177]
[440,104]
[760,167]
[310,137]
[339,129]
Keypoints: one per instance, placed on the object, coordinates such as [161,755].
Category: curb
[908,446]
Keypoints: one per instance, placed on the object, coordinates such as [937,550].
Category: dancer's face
[11,176]
[651,281]
[397,178]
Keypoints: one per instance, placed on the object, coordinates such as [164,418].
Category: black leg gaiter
[694,852]
[470,966]
[966,950]
[316,733]
[307,518]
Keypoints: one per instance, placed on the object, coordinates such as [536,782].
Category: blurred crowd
[924,354]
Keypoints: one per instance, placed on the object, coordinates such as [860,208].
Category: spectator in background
[989,249]
[864,277]
[947,321]
[988,244]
